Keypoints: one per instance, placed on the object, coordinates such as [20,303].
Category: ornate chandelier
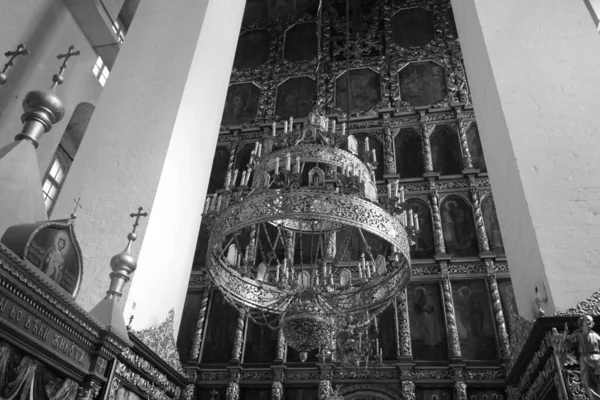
[307,246]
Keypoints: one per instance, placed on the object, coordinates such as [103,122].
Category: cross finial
[76,206]
[57,79]
[137,217]
[20,51]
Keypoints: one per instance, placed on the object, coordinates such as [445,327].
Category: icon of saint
[53,260]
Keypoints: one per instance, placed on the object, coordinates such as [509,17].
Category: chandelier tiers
[301,241]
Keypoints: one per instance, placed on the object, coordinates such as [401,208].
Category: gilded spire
[20,51]
[124,264]
[43,108]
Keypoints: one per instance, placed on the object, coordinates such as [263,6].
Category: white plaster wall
[151,142]
[47,29]
[533,70]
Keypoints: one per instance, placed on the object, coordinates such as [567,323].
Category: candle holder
[287,180]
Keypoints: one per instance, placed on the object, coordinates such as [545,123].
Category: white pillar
[151,142]
[533,71]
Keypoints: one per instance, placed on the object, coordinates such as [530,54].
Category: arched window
[459,227]
[424,247]
[409,154]
[445,152]
[375,144]
[65,153]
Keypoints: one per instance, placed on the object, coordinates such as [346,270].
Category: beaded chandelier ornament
[302,242]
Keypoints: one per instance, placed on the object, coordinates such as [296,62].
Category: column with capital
[464,144]
[482,239]
[460,387]
[233,387]
[403,327]
[199,332]
[277,385]
[451,328]
[325,378]
[426,131]
[438,233]
[499,318]
[238,340]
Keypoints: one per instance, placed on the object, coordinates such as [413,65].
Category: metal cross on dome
[58,79]
[137,217]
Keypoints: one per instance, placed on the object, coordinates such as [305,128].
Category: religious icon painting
[474,322]
[425,312]
[52,248]
[434,394]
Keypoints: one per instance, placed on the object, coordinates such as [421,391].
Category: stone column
[498,312]
[159,115]
[539,133]
[199,333]
[403,328]
[238,341]
[451,329]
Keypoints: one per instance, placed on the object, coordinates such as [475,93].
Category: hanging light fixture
[302,243]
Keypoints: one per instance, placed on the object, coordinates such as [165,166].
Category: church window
[119,31]
[52,182]
[65,153]
[101,71]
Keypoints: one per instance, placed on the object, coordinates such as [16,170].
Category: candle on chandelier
[259,150]
[396,189]
[285,269]
[207,204]
[242,182]
[235,174]
[219,200]
[374,155]
[343,128]
[248,176]
[277,273]
[416,221]
[285,127]
[326,125]
[367,144]
[389,189]
[410,218]
[354,169]
[368,268]
[227,179]
[376,323]
[298,164]
[333,125]
[246,254]
[402,194]
[288,161]
[274,128]
[291,124]
[276,166]
[373,176]
[360,270]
